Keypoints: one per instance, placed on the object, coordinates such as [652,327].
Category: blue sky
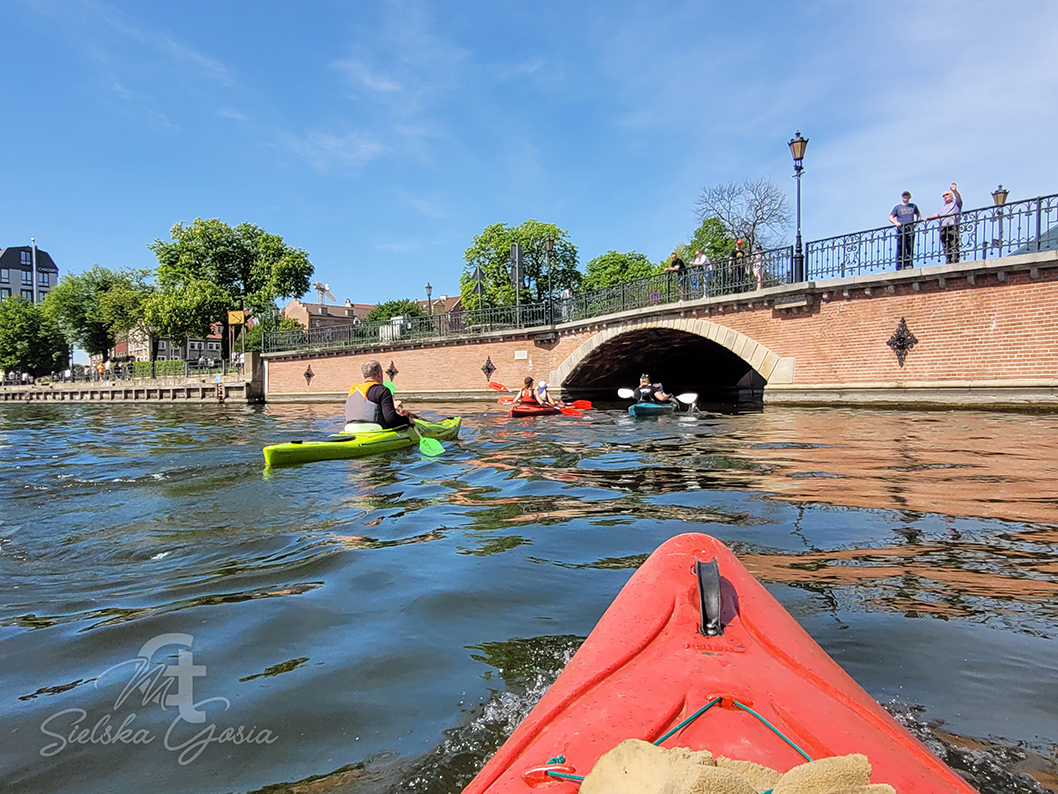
[382,136]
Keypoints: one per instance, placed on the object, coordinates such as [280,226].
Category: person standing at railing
[903,217]
[679,267]
[737,268]
[704,269]
[949,223]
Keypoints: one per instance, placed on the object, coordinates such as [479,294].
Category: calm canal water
[380,625]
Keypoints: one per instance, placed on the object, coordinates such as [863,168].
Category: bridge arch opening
[683,361]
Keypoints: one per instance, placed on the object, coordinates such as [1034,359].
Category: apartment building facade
[16,273]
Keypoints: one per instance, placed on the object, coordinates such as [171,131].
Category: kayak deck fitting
[345,445]
[695,652]
[651,409]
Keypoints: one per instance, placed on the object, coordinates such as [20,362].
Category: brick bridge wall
[987,334]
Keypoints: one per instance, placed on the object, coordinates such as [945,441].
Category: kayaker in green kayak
[651,392]
[372,402]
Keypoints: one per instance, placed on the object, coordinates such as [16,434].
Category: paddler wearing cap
[648,392]
[542,394]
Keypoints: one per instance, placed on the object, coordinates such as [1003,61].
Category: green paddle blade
[430,446]
[390,385]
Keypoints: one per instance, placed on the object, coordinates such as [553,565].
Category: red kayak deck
[646,668]
[533,409]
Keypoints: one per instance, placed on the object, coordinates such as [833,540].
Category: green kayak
[359,443]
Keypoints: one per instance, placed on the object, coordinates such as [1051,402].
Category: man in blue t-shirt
[903,217]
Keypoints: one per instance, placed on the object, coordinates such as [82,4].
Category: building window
[43,279]
[5,293]
[27,277]
[41,296]
[162,344]
[213,345]
[27,294]
[5,276]
[27,258]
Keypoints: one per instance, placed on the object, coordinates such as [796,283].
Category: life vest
[360,409]
[646,393]
[528,395]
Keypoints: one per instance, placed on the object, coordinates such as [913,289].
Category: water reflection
[395,617]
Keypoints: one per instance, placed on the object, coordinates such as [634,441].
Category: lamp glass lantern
[429,300]
[999,196]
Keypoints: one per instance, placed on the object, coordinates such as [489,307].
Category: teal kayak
[344,445]
[651,409]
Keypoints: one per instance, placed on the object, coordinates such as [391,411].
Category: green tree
[189,310]
[30,340]
[544,272]
[713,239]
[210,267]
[613,268]
[393,308]
[79,304]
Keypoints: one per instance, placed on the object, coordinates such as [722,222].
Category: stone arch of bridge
[720,364]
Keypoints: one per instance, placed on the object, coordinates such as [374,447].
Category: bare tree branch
[754,210]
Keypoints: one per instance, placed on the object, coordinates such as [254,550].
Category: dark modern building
[16,273]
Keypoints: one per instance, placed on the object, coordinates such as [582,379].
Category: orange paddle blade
[584,405]
[569,411]
[507,398]
[497,386]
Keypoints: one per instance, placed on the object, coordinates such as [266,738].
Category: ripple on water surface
[391,619]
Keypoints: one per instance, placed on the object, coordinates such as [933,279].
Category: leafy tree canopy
[244,266]
[613,268]
[385,311]
[30,340]
[543,272]
[82,304]
[188,311]
[711,238]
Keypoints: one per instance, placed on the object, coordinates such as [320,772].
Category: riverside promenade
[206,388]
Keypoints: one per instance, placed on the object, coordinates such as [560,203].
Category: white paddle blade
[626,394]
[687,398]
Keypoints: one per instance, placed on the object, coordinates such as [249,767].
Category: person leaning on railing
[949,223]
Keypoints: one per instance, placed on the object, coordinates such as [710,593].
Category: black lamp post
[429,300]
[999,198]
[549,245]
[797,149]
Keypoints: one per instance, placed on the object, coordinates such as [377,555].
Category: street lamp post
[797,149]
[999,198]
[429,300]
[549,244]
[33,242]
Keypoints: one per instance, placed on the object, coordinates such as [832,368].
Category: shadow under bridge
[681,361]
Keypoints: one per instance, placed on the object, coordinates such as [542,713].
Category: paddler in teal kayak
[651,392]
[372,402]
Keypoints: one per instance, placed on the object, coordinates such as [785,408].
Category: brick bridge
[976,333]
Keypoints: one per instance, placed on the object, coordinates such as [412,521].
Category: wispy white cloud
[324,151]
[230,113]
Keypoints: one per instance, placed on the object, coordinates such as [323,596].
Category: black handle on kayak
[709,596]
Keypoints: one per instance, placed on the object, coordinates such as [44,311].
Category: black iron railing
[1016,228]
